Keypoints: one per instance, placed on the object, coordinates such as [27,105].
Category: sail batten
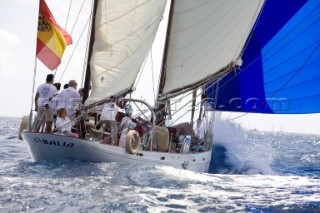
[124,34]
[206,36]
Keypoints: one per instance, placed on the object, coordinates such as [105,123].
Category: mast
[86,88]
[161,106]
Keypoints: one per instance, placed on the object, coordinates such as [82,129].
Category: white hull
[52,147]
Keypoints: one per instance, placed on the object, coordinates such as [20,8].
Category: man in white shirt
[69,98]
[45,93]
[108,119]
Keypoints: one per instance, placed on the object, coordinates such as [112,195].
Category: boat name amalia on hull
[53,142]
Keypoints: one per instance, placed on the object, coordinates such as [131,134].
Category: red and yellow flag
[52,39]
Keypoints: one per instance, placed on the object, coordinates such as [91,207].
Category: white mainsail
[205,37]
[124,33]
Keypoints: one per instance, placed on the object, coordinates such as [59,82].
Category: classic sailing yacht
[204,41]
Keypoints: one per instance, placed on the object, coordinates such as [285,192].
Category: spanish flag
[52,39]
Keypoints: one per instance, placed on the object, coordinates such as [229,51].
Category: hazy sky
[18,31]
[18,25]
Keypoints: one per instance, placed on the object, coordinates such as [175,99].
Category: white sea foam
[251,156]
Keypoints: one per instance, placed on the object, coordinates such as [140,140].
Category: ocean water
[250,172]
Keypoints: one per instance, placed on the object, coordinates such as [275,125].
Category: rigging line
[279,64]
[297,72]
[68,15]
[302,23]
[204,116]
[267,59]
[186,111]
[187,94]
[211,119]
[183,106]
[152,73]
[250,31]
[140,110]
[216,75]
[64,28]
[75,120]
[71,33]
[299,84]
[253,28]
[172,104]
[178,100]
[287,82]
[85,63]
[236,74]
[74,48]
[205,89]
[140,73]
[77,17]
[55,72]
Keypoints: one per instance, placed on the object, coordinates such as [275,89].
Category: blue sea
[251,171]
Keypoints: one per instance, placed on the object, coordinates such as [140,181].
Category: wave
[236,153]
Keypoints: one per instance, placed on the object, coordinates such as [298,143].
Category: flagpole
[32,96]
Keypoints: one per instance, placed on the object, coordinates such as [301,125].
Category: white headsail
[124,33]
[205,37]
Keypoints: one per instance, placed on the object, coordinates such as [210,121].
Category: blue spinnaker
[281,63]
